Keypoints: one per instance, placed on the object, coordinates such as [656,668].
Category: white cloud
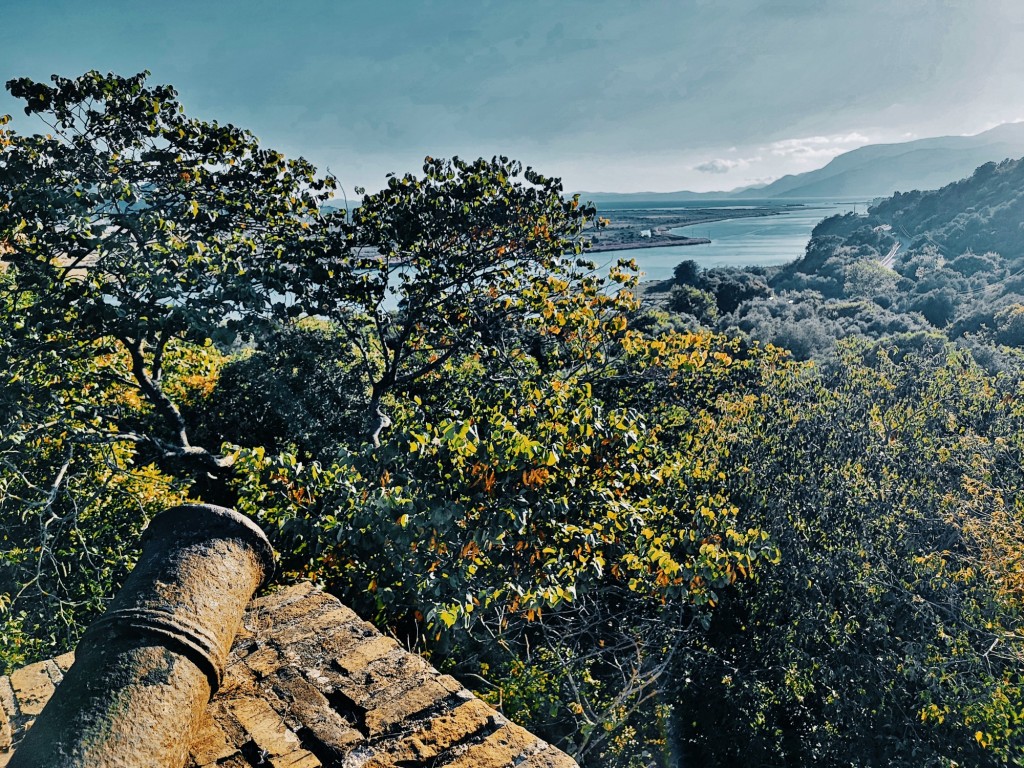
[719,165]
[817,147]
[723,165]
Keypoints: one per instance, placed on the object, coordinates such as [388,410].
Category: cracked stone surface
[311,685]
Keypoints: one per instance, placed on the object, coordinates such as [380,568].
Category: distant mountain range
[875,170]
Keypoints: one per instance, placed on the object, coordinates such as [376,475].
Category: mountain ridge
[874,170]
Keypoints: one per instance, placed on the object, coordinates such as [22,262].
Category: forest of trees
[645,533]
[958,272]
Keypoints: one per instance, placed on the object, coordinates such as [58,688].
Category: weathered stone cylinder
[145,671]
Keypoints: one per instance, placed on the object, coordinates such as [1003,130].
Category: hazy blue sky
[624,95]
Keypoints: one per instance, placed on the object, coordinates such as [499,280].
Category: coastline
[636,246]
[624,226]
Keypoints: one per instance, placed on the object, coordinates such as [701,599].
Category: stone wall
[310,684]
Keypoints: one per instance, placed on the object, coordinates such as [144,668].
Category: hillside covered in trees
[640,533]
[949,261]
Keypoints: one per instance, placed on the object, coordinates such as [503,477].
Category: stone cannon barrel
[145,670]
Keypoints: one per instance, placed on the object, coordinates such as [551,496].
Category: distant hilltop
[875,170]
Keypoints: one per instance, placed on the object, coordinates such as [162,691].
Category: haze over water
[755,241]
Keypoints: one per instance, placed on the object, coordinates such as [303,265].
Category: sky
[609,95]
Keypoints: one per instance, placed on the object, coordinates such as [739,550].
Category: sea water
[744,242]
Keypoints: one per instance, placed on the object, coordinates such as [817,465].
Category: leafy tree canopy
[441,265]
[133,223]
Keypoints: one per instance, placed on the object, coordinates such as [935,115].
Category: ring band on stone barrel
[198,644]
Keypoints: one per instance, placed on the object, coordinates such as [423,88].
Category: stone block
[210,744]
[548,757]
[500,749]
[422,694]
[32,687]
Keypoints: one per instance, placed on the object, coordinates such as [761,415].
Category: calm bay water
[756,241]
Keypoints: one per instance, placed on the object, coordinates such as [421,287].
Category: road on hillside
[890,257]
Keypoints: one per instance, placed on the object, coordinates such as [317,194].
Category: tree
[732,287]
[131,223]
[71,494]
[1008,325]
[558,528]
[890,632]
[686,273]
[130,236]
[937,306]
[688,300]
[869,279]
[440,263]
[301,390]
